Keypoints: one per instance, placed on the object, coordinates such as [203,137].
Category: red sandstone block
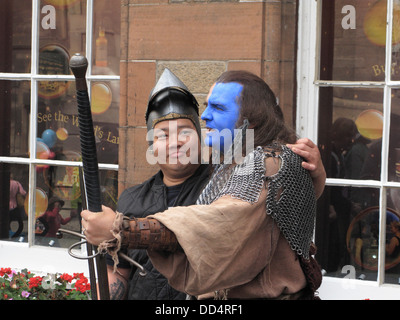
[196,31]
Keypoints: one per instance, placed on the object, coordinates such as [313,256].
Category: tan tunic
[230,244]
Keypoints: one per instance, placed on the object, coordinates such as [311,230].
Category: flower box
[24,285]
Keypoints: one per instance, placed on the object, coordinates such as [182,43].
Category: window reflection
[60,199]
[396,42]
[357,32]
[394,144]
[58,204]
[53,59]
[14,220]
[106,37]
[58,124]
[363,243]
[392,247]
[353,40]
[347,232]
[54,217]
[105,111]
[62,31]
[350,131]
[14,119]
[15,54]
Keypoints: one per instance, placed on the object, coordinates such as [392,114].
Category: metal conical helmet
[171,99]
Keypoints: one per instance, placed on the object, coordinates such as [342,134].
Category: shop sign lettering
[349,20]
[49,20]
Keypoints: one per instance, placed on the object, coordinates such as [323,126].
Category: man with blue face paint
[249,236]
[221,114]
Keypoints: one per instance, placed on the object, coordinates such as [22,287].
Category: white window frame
[307,126]
[26,254]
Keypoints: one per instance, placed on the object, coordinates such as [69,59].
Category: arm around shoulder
[305,148]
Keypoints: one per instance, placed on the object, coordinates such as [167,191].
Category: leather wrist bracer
[147,233]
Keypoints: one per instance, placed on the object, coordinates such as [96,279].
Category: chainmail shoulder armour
[291,200]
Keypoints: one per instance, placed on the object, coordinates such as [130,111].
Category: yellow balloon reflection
[62,134]
[370,124]
[375,23]
[41,203]
[101,98]
[61,3]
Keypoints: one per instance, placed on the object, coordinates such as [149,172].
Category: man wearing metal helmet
[172,119]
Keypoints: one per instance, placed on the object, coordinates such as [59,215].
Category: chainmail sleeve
[291,202]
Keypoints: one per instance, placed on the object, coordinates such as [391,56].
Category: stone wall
[197,40]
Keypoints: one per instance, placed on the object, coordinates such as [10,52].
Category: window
[40,153]
[353,77]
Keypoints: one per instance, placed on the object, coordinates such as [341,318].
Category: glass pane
[109,191]
[61,34]
[58,127]
[105,111]
[363,241]
[392,257]
[353,40]
[13,200]
[350,132]
[14,119]
[394,145]
[15,37]
[57,122]
[106,37]
[347,233]
[396,41]
[62,184]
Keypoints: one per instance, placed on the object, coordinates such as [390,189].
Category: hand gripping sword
[78,65]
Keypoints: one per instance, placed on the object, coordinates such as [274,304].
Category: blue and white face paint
[221,114]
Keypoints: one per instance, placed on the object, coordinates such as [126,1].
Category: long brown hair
[259,106]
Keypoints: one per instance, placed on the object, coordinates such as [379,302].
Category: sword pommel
[78,65]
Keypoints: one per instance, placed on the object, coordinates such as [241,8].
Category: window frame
[34,77]
[308,86]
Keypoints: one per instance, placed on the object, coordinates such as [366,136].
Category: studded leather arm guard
[147,233]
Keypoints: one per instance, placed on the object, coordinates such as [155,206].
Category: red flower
[82,285]
[66,277]
[79,276]
[34,282]
[4,271]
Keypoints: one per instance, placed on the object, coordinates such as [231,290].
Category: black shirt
[151,197]
[172,194]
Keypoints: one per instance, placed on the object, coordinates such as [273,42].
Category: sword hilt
[78,65]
